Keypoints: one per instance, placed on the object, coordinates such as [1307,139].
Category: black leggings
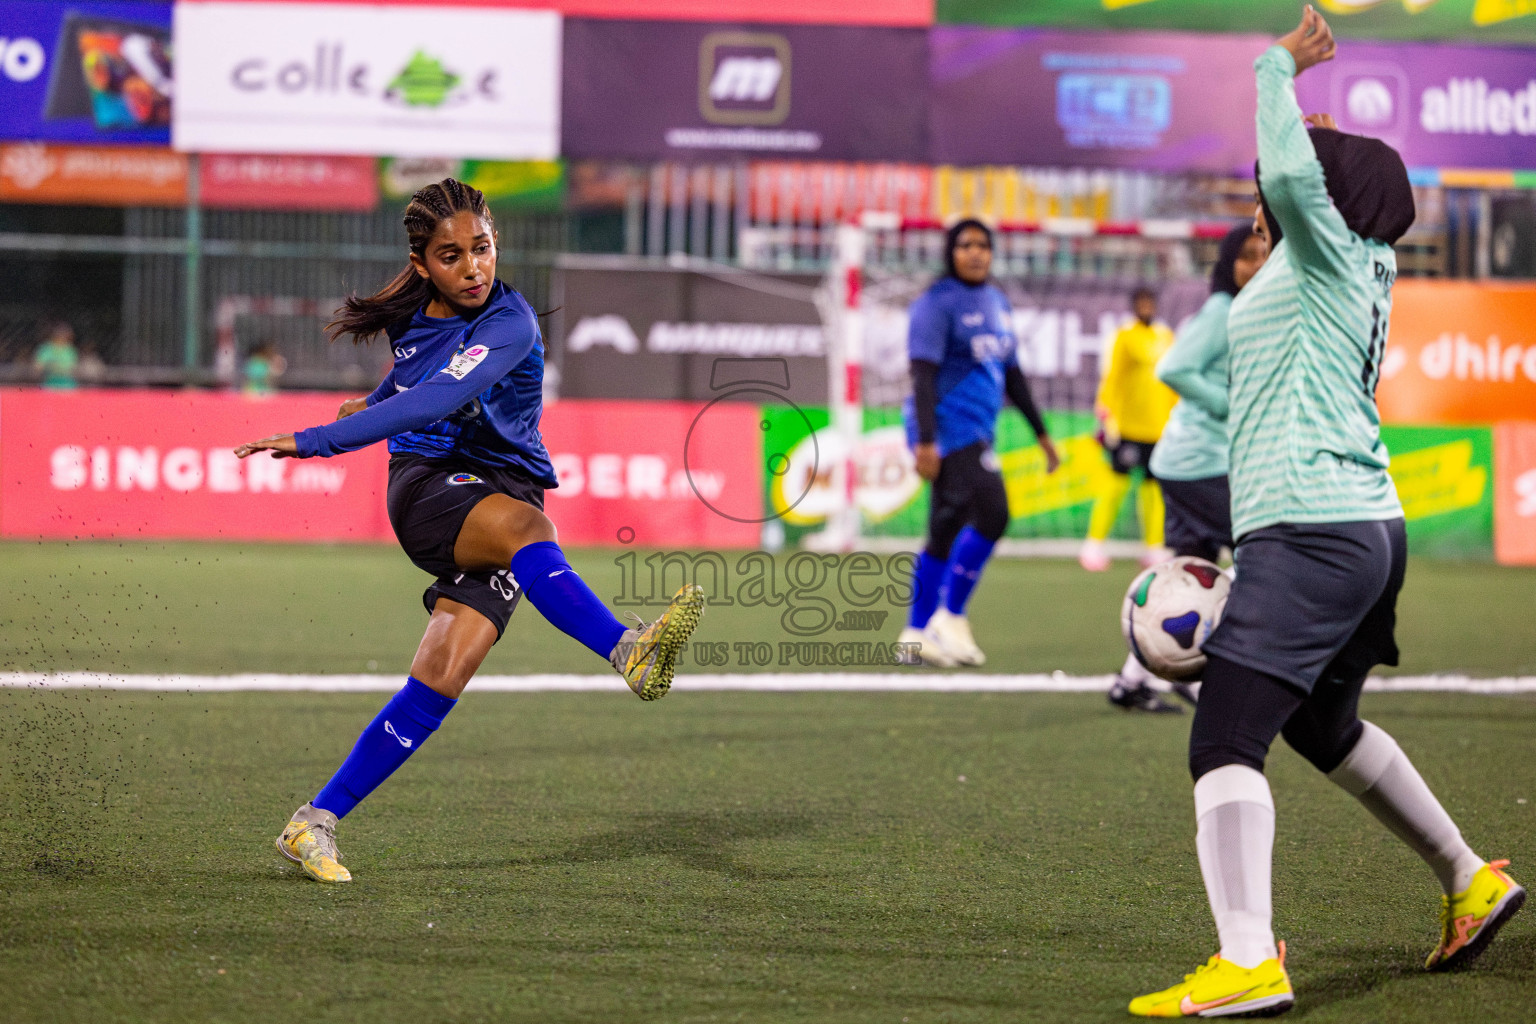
[968,492]
[1242,710]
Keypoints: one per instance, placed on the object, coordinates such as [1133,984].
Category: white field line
[931,682]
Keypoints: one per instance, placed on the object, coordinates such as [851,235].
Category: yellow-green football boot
[1470,919]
[310,841]
[1220,988]
[647,657]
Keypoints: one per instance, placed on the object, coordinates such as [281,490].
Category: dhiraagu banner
[798,455]
[1444,477]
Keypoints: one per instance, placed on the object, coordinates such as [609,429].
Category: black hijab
[1367,182]
[953,235]
[1224,273]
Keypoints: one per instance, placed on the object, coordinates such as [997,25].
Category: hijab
[953,235]
[1367,182]
[1224,273]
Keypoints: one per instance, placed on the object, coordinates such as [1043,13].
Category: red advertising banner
[805,12]
[656,474]
[35,172]
[157,464]
[1514,500]
[1459,352]
[267,182]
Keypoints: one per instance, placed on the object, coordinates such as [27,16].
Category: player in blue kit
[964,358]
[467,475]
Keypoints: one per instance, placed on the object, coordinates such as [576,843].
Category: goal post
[1069,281]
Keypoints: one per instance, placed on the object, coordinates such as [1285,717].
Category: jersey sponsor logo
[992,348]
[455,479]
[466,361]
[744,78]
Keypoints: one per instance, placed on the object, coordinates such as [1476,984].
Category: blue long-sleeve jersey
[968,331]
[467,389]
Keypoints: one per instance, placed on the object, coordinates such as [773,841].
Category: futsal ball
[1170,611]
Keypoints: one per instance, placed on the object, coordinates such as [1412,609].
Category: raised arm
[1202,341]
[1290,175]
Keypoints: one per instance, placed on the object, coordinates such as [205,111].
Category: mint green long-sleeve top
[1194,443]
[1306,340]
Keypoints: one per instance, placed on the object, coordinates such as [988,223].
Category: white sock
[1235,837]
[1380,776]
[1133,672]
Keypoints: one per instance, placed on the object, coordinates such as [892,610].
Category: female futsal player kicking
[1321,549]
[467,475]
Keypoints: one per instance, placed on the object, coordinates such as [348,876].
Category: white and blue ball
[1169,612]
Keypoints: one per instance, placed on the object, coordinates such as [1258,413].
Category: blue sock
[395,734]
[563,598]
[926,581]
[966,560]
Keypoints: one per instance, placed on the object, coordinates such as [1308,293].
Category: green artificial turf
[221,608]
[715,857]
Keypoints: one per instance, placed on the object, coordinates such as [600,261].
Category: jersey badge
[466,361]
[455,479]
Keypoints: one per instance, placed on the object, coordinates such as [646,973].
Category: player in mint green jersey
[1321,552]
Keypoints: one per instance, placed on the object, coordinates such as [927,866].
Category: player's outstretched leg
[1479,898]
[647,657]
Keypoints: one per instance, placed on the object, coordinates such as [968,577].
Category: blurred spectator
[263,365]
[56,360]
[92,369]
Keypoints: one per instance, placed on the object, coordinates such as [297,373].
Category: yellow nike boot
[647,657]
[1223,989]
[310,841]
[1470,919]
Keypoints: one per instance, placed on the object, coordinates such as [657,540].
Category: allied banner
[34,172]
[338,78]
[1504,21]
[268,182]
[1101,99]
[159,464]
[1459,352]
[94,71]
[626,330]
[676,90]
[1514,459]
[1439,106]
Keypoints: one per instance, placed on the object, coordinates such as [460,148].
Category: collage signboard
[344,79]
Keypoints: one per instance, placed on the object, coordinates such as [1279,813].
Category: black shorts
[429,499]
[1198,520]
[968,492]
[1315,601]
[1129,455]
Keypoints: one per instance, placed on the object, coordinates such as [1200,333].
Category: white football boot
[930,649]
[954,633]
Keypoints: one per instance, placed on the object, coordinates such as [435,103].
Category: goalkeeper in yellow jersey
[1132,405]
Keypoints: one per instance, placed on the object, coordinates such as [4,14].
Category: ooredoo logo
[744,78]
[21,59]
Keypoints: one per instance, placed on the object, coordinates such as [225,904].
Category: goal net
[851,482]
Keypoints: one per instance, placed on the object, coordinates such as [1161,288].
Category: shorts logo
[466,361]
[454,479]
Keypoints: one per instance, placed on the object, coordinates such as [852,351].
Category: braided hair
[366,317]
